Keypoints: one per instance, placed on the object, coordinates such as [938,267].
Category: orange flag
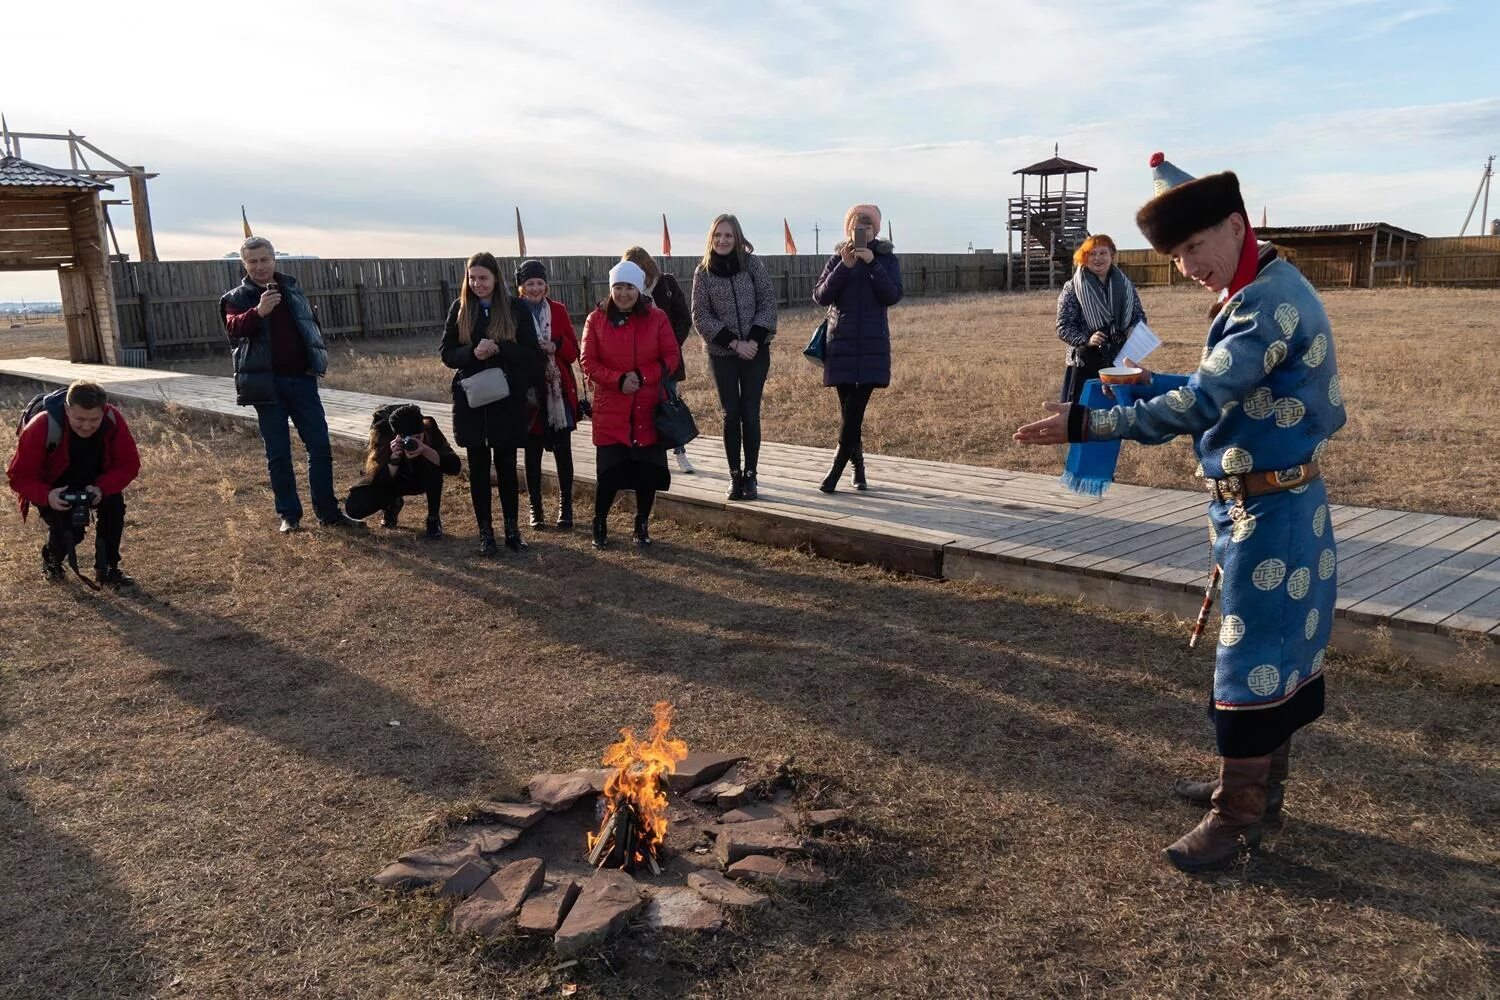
[786,230]
[666,237]
[520,233]
[246,220]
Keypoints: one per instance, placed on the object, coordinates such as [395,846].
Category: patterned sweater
[741,306]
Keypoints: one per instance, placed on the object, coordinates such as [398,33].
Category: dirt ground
[198,777]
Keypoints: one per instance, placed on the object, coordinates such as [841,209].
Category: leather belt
[1256,484]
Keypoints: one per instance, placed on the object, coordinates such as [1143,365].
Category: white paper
[1141,342]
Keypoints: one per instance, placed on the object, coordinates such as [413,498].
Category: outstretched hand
[1048,430]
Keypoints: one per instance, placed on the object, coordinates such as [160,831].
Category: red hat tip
[1156,159]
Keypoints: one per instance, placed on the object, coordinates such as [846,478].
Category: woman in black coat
[488,329]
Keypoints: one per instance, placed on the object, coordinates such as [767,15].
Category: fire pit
[634,801]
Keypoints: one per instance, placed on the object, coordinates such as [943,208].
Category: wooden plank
[1395,579]
[1443,590]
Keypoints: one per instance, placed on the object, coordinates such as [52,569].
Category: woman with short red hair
[1096,311]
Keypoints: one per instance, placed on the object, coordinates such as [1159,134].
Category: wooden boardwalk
[1426,585]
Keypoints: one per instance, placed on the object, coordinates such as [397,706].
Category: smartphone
[861,237]
[271,287]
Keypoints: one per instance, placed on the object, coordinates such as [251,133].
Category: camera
[78,502]
[409,442]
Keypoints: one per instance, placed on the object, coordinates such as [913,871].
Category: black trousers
[109,521]
[562,455]
[852,402]
[479,485]
[740,385]
[367,498]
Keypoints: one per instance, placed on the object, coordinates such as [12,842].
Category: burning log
[634,828]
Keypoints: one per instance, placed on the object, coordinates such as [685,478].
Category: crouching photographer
[407,456]
[74,457]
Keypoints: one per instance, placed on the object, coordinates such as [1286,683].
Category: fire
[635,798]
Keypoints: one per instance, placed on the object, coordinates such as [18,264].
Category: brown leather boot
[1201,793]
[1238,806]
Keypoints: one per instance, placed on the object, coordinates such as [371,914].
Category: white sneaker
[683,465]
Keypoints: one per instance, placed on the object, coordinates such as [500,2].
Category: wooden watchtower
[1049,221]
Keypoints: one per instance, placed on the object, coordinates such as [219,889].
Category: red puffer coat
[643,343]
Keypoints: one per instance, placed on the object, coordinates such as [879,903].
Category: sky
[404,129]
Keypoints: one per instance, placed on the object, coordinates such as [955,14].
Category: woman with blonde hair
[488,329]
[1096,311]
[734,311]
[667,295]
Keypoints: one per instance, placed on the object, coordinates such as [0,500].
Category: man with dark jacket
[76,445]
[278,358]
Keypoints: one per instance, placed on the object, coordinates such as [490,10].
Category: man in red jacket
[78,443]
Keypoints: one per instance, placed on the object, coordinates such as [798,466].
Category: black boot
[114,576]
[736,485]
[747,485]
[565,515]
[513,539]
[601,532]
[858,460]
[642,532]
[52,569]
[392,513]
[831,481]
[538,521]
[434,527]
[487,546]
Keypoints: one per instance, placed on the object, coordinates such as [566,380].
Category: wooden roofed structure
[1052,220]
[1352,254]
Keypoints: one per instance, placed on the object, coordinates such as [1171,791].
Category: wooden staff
[1208,603]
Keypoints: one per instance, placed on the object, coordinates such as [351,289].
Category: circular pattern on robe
[1289,411]
[1182,400]
[1260,404]
[1298,583]
[1335,392]
[1316,351]
[1236,461]
[1310,629]
[1318,449]
[1287,318]
[1317,662]
[1231,630]
[1243,528]
[1327,562]
[1268,574]
[1264,679]
[1275,355]
[1291,681]
[1218,362]
[1320,520]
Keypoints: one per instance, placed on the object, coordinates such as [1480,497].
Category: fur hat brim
[1179,212]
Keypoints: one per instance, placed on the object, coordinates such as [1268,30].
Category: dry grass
[199,777]
[969,369]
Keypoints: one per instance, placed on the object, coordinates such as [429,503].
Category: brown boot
[1238,806]
[1201,793]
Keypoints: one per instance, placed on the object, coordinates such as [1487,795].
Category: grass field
[199,776]
[969,369]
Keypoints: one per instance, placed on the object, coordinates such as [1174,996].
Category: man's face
[1210,256]
[260,264]
[83,422]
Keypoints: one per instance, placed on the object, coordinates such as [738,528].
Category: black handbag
[675,425]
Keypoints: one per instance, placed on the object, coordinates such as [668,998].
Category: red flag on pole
[666,237]
[520,233]
[786,230]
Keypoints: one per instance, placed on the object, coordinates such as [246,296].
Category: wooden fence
[171,308]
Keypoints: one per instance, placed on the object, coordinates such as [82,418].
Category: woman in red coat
[628,347]
[553,408]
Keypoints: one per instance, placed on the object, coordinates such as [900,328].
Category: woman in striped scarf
[1096,311]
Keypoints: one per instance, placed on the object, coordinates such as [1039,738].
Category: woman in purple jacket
[860,282]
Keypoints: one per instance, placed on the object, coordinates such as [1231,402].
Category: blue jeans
[297,399]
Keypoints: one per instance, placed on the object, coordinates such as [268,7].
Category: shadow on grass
[317,708]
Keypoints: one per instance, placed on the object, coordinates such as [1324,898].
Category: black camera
[79,502]
[410,443]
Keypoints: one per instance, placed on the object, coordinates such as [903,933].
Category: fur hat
[1184,205]
[530,269]
[406,419]
[627,273]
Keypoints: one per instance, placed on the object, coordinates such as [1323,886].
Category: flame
[640,774]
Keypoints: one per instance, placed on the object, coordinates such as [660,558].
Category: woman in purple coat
[860,282]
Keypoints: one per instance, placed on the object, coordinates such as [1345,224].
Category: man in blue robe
[1261,408]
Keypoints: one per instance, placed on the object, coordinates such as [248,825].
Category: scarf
[1107,304]
[1091,464]
[555,413]
[724,265]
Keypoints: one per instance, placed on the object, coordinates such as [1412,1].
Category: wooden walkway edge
[1422,585]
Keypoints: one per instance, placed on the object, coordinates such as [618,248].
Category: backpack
[53,403]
